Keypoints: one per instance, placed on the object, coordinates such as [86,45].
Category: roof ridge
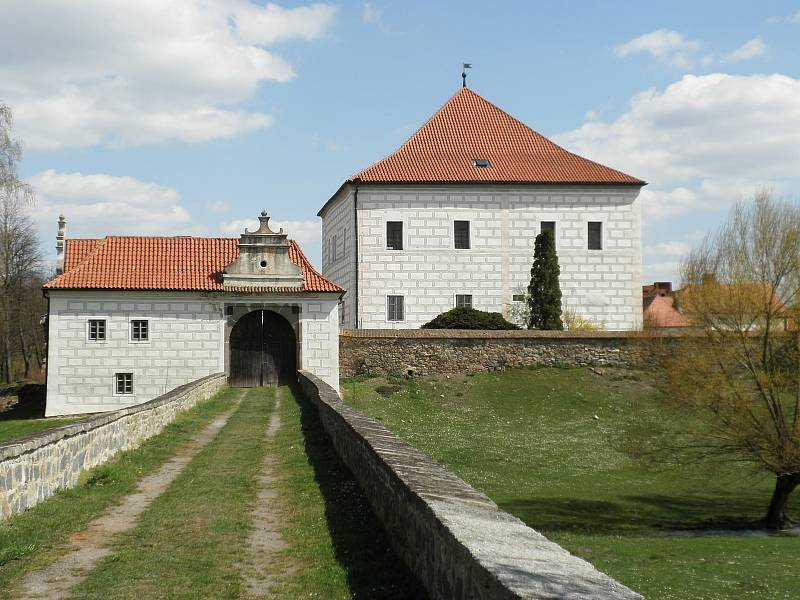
[467,127]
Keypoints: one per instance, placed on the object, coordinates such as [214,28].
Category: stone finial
[263,224]
[60,247]
[263,259]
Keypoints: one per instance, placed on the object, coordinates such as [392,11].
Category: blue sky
[190,117]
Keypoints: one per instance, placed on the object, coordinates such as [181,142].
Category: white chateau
[131,318]
[450,219]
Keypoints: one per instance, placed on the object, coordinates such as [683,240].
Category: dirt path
[94,543]
[265,537]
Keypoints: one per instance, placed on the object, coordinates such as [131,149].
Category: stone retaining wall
[454,538]
[32,468]
[439,351]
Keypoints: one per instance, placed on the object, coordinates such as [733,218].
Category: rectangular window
[518,297]
[595,235]
[548,226]
[97,330]
[394,308]
[124,383]
[463,300]
[394,235]
[139,330]
[341,313]
[461,234]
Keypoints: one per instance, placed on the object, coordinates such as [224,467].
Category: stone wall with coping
[34,467]
[447,352]
[453,538]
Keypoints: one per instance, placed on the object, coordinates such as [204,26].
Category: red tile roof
[660,311]
[467,128]
[167,263]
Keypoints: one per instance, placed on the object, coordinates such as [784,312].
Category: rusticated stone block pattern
[447,352]
[455,539]
[33,468]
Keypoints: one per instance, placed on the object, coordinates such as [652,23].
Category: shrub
[575,322]
[469,318]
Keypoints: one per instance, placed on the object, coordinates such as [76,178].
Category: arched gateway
[263,351]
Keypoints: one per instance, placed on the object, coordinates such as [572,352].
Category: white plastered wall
[186,342]
[602,285]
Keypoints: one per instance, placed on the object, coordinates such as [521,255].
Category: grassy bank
[548,446]
[15,428]
[337,549]
[33,539]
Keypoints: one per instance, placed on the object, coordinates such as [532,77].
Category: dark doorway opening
[263,351]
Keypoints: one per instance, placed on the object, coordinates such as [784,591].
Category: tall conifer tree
[544,292]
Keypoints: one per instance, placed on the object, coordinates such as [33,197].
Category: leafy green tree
[544,292]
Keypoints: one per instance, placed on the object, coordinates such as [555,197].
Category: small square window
[97,330]
[463,300]
[394,308]
[518,297]
[124,383]
[548,226]
[481,163]
[139,330]
[595,235]
[461,234]
[394,235]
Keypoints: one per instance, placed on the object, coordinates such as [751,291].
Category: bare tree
[740,376]
[20,260]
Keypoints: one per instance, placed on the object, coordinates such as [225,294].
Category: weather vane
[464,74]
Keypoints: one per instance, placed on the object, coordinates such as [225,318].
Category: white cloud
[664,45]
[371,14]
[665,249]
[304,232]
[785,20]
[125,73]
[673,49]
[750,49]
[99,204]
[667,270]
[703,142]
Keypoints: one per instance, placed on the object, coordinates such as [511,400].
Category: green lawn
[20,427]
[191,540]
[337,548]
[530,440]
[33,539]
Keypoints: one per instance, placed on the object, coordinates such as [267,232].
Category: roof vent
[481,163]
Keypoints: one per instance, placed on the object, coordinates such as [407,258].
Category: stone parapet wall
[453,538]
[439,351]
[34,467]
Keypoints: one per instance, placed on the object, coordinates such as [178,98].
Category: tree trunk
[777,517]
[25,355]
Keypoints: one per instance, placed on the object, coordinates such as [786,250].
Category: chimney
[60,249]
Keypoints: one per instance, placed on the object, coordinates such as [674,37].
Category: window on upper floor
[595,235]
[341,312]
[463,300]
[96,330]
[395,309]
[518,298]
[461,234]
[548,226]
[123,383]
[140,330]
[394,235]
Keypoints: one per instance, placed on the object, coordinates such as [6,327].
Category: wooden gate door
[263,351]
